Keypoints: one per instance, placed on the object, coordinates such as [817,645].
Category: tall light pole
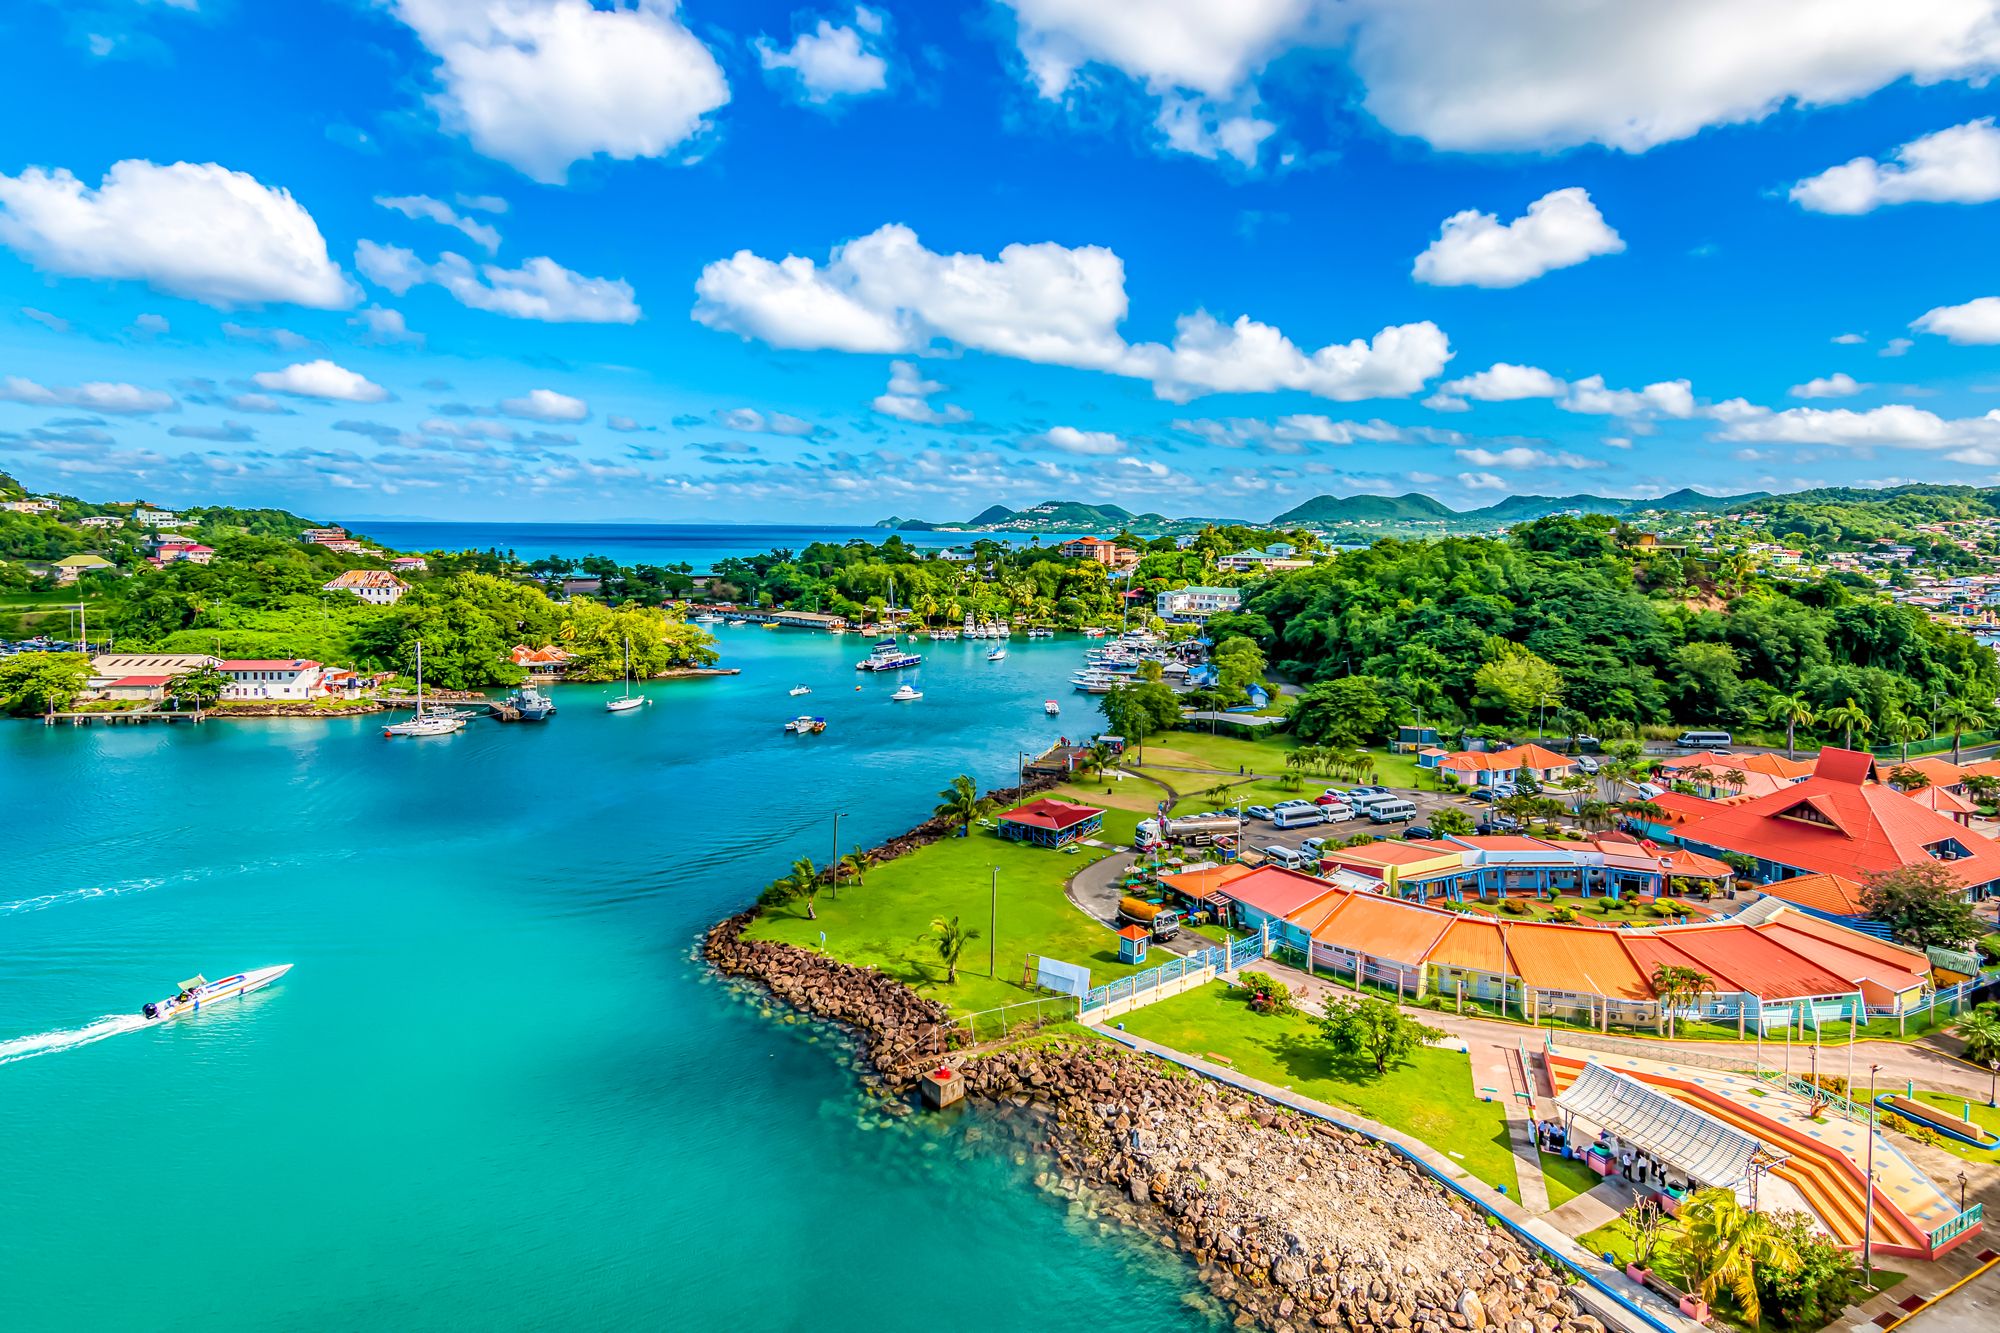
[835,863]
[993,922]
[1868,1218]
[1994,1084]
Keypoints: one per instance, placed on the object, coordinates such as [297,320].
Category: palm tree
[950,939]
[1452,822]
[1593,814]
[1849,718]
[1724,1244]
[1959,716]
[1980,1031]
[855,863]
[961,803]
[1674,986]
[1907,727]
[1795,711]
[803,882]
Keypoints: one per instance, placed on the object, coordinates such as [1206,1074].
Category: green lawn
[1984,1116]
[883,922]
[1429,1098]
[1224,754]
[1565,1178]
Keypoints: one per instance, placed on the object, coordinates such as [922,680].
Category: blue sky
[706,262]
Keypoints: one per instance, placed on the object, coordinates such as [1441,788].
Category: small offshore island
[1435,1070]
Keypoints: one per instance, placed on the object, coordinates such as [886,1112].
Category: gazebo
[1050,823]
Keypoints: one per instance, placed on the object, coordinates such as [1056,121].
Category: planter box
[1695,1308]
[1639,1275]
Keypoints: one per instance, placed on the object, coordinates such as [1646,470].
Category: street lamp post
[993,922]
[833,866]
[1868,1218]
[1994,1083]
[1961,1191]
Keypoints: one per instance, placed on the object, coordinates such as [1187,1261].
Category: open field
[1430,1097]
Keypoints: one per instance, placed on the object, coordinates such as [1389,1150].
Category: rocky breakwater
[1297,1223]
[1293,1222]
[900,1030]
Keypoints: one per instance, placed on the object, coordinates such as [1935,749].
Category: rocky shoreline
[1294,1223]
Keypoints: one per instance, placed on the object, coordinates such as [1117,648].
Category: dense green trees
[1481,630]
[41,682]
[1923,905]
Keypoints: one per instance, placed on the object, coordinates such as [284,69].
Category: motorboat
[426,722]
[797,690]
[998,654]
[198,990]
[530,704]
[627,701]
[806,725]
[888,656]
[906,693]
[708,618]
[1052,708]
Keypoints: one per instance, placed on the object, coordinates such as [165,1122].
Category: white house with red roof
[272,678]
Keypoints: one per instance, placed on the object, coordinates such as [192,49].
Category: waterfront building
[376,586]
[1049,822]
[272,678]
[1196,604]
[547,660]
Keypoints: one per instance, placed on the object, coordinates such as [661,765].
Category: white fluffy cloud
[1849,339]
[1960,165]
[751,420]
[1046,303]
[1545,74]
[323,380]
[908,397]
[1070,440]
[1895,425]
[379,324]
[1483,481]
[1974,322]
[1840,384]
[1504,382]
[95,396]
[833,60]
[1669,398]
[540,289]
[1520,456]
[545,405]
[542,84]
[188,229]
[1474,249]
[436,210]
[1501,382]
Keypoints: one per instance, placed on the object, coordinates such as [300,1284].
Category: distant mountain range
[1332,512]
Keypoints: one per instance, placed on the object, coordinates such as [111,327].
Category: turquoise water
[497,1091]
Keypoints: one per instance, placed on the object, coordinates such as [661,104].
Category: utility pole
[834,864]
[1868,1219]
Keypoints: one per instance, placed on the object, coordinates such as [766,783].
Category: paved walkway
[1539,1228]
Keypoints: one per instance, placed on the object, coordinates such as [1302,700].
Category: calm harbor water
[700,544]
[497,1091]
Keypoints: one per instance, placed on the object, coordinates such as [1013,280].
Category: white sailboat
[437,722]
[628,700]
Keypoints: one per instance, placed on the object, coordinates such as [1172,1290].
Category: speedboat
[906,693]
[198,990]
[531,704]
[797,690]
[1052,708]
[806,725]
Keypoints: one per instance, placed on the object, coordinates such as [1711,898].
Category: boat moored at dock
[888,657]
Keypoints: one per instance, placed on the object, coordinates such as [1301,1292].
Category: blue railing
[1958,1226]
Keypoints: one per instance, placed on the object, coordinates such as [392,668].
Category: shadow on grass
[1305,1057]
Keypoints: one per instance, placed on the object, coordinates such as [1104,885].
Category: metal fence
[1010,1019]
[1136,987]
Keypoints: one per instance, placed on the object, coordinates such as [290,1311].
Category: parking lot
[1259,833]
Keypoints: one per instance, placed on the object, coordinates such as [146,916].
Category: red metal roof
[137,682]
[267,664]
[1050,814]
[1275,891]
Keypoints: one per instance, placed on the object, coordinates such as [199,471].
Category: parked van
[1289,859]
[1298,816]
[1703,740]
[1392,812]
[1364,800]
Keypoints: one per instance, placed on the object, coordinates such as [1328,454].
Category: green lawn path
[1565,1178]
[1429,1098]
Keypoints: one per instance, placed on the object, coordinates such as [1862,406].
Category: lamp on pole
[1994,1083]
[1961,1191]
[1868,1218]
[993,921]
[834,865]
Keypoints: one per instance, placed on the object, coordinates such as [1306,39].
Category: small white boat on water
[627,701]
[198,990]
[1052,708]
[998,654]
[432,722]
[906,693]
[797,690]
[806,725]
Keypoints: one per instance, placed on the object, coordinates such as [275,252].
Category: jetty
[148,713]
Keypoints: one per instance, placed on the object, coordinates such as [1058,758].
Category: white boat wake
[48,1043]
[36,904]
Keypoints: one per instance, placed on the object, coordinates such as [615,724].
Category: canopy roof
[195,982]
[1697,1143]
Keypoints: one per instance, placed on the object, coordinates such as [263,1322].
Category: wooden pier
[116,715]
